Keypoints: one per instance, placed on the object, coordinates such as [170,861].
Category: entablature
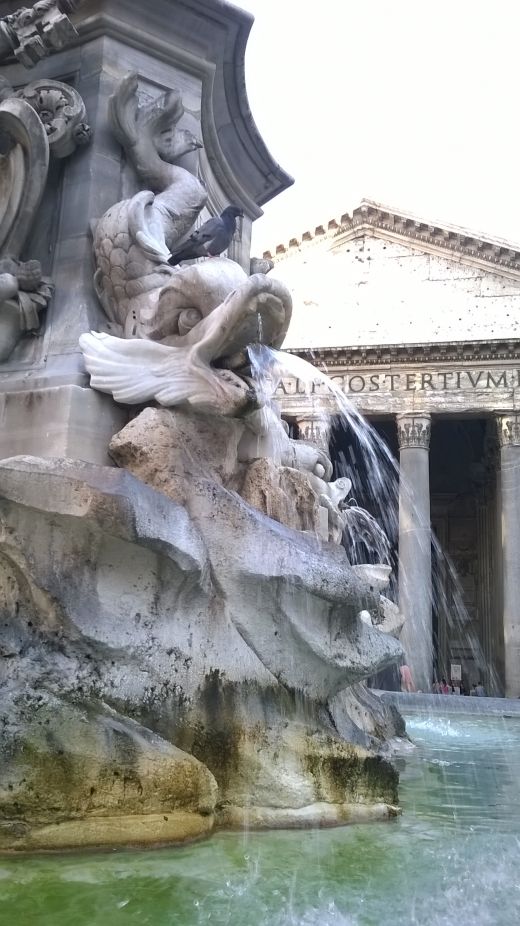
[472,377]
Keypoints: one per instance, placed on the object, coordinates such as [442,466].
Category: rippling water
[452,858]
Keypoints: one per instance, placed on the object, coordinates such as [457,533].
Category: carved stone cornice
[509,429]
[244,167]
[381,221]
[413,430]
[32,33]
[332,358]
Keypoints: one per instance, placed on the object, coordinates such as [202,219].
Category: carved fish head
[173,143]
[205,318]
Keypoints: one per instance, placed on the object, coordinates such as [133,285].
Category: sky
[412,103]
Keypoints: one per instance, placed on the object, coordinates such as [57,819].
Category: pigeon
[211,238]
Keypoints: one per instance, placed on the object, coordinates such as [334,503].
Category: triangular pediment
[378,221]
[380,277]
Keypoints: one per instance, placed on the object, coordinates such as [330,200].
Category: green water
[452,858]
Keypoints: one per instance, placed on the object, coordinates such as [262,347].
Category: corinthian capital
[413,430]
[509,429]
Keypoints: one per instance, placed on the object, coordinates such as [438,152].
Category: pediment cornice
[460,352]
[376,220]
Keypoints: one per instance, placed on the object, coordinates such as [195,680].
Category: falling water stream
[381,484]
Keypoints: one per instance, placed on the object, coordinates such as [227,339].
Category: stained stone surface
[212,626]
[80,774]
[167,449]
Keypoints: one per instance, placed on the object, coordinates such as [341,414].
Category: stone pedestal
[415,582]
[509,439]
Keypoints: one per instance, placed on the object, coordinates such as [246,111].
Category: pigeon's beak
[197,143]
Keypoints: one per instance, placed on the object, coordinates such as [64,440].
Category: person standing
[407,683]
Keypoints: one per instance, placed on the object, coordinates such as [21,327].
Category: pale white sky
[409,102]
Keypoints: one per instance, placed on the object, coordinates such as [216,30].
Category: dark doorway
[463,514]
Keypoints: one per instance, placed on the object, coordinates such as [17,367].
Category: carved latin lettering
[339,380]
[303,388]
[361,387]
[284,387]
[444,377]
[501,381]
[409,382]
[474,382]
[392,377]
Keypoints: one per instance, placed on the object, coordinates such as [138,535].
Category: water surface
[453,857]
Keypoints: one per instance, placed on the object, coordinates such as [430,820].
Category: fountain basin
[459,793]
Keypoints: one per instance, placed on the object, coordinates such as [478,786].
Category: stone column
[315,428]
[415,566]
[509,439]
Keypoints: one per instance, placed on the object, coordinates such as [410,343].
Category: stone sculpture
[185,331]
[194,368]
[185,641]
[203,316]
[134,239]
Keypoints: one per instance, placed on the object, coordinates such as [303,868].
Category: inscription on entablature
[403,381]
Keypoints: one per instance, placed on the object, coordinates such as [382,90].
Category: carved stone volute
[62,112]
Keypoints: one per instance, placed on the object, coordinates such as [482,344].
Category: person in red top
[445,688]
[406,679]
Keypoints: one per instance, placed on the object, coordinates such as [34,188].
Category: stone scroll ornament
[46,117]
[177,334]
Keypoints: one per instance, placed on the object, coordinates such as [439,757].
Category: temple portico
[457,447]
[418,327]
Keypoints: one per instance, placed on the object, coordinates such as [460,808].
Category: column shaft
[415,567]
[509,437]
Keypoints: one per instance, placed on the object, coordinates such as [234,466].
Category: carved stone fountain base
[165,670]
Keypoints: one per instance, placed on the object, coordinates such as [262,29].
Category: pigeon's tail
[183,254]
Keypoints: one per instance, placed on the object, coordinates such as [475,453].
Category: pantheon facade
[419,327]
